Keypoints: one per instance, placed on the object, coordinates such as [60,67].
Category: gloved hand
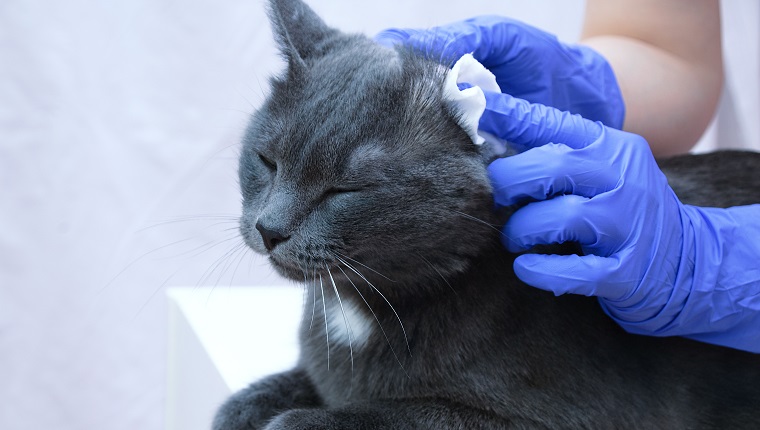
[659,267]
[528,63]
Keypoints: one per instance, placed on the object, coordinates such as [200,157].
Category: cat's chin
[326,271]
[298,272]
[286,270]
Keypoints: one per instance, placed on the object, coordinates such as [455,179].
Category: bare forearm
[666,56]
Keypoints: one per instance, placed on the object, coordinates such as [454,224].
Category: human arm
[666,55]
[658,267]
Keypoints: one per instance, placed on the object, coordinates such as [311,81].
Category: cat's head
[356,159]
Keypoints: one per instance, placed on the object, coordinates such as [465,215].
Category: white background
[118,130]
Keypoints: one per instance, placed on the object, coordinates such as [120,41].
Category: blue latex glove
[528,63]
[659,267]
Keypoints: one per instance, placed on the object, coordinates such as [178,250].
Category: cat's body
[358,181]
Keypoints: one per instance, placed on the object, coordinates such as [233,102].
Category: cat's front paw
[304,419]
[240,413]
[322,419]
[251,408]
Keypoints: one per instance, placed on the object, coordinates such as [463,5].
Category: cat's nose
[271,236]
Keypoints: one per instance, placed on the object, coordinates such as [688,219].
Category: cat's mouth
[287,269]
[302,269]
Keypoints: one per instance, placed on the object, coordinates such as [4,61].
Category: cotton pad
[471,102]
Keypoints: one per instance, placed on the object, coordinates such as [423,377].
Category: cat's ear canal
[300,33]
[494,148]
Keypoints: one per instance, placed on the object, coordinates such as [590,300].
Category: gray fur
[368,192]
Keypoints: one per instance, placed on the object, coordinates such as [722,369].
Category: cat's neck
[379,296]
[344,317]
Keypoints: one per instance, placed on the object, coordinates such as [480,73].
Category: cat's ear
[494,148]
[299,32]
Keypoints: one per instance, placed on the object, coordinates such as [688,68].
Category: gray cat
[358,182]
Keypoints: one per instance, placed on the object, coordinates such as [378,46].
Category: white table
[220,340]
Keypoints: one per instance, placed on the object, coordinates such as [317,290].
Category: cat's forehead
[344,102]
[353,79]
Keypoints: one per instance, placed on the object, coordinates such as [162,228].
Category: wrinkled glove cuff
[715,297]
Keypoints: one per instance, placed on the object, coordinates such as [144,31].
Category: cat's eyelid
[348,189]
[267,161]
[339,189]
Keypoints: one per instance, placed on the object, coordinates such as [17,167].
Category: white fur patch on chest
[348,325]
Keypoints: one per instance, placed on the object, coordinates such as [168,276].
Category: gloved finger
[550,170]
[562,219]
[394,36]
[442,44]
[446,44]
[528,125]
[589,275]
[490,39]
[495,41]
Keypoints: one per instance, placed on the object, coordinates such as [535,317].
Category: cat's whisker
[403,330]
[349,332]
[223,259]
[221,219]
[215,154]
[137,260]
[314,304]
[306,282]
[305,286]
[227,259]
[324,313]
[494,227]
[230,257]
[364,265]
[379,324]
[205,247]
[206,275]
[438,272]
[155,292]
[242,252]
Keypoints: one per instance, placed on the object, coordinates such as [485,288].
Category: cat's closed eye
[338,191]
[271,165]
[341,190]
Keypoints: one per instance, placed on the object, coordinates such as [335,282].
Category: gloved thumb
[393,36]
